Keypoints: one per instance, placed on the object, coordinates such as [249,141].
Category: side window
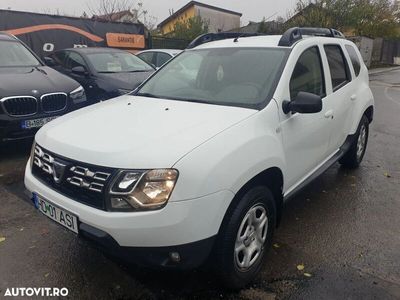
[162,58]
[337,65]
[308,75]
[355,61]
[59,58]
[147,57]
[75,60]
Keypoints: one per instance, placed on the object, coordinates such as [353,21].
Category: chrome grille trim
[81,176]
[49,95]
[6,99]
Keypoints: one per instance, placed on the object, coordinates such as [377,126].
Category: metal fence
[386,52]
[157,42]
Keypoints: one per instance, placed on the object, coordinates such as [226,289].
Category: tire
[231,266]
[355,154]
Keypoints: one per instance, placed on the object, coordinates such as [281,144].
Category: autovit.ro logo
[36,292]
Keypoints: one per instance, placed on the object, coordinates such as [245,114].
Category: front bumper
[191,255]
[177,225]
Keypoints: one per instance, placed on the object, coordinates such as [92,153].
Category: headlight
[78,95]
[142,190]
[123,91]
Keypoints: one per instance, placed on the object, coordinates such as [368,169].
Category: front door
[305,136]
[76,60]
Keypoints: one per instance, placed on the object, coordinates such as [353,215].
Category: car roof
[7,37]
[263,41]
[168,51]
[88,50]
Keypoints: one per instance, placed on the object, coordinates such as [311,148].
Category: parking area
[344,229]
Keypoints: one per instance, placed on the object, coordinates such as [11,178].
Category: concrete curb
[381,70]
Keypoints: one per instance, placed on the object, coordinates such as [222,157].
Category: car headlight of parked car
[78,95]
[142,190]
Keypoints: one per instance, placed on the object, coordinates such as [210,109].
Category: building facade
[218,19]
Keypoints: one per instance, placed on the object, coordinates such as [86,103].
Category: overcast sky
[252,10]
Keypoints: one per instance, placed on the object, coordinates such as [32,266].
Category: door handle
[329,114]
[353,97]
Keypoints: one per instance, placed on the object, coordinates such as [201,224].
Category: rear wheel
[245,237]
[355,154]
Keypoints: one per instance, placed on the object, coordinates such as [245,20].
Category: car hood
[137,132]
[128,81]
[23,81]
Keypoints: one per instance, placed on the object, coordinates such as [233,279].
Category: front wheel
[355,154]
[245,237]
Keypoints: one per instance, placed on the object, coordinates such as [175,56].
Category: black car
[31,94]
[103,72]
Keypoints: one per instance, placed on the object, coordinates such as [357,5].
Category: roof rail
[295,34]
[210,37]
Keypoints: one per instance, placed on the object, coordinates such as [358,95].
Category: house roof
[192,3]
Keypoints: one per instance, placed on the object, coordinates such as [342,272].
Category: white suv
[198,166]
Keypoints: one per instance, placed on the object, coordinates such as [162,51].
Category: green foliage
[373,18]
[190,29]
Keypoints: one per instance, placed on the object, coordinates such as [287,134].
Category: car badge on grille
[58,171]
[35,92]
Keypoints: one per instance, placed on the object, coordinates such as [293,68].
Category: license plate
[28,124]
[59,215]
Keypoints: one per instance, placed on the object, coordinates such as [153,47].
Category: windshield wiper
[40,70]
[137,71]
[108,72]
[147,95]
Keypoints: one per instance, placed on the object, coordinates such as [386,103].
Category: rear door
[340,95]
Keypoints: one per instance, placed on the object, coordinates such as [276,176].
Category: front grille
[78,181]
[20,105]
[54,102]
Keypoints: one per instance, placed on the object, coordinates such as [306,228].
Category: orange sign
[30,29]
[122,40]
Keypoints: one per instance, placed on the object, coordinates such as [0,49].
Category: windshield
[118,62]
[14,54]
[226,76]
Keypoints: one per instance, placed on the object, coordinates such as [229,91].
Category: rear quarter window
[355,61]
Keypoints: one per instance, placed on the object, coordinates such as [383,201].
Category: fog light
[175,256]
[119,203]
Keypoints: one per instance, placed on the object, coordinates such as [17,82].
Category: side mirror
[305,103]
[49,61]
[79,70]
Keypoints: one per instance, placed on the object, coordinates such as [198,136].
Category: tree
[373,18]
[190,28]
[262,27]
[107,8]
